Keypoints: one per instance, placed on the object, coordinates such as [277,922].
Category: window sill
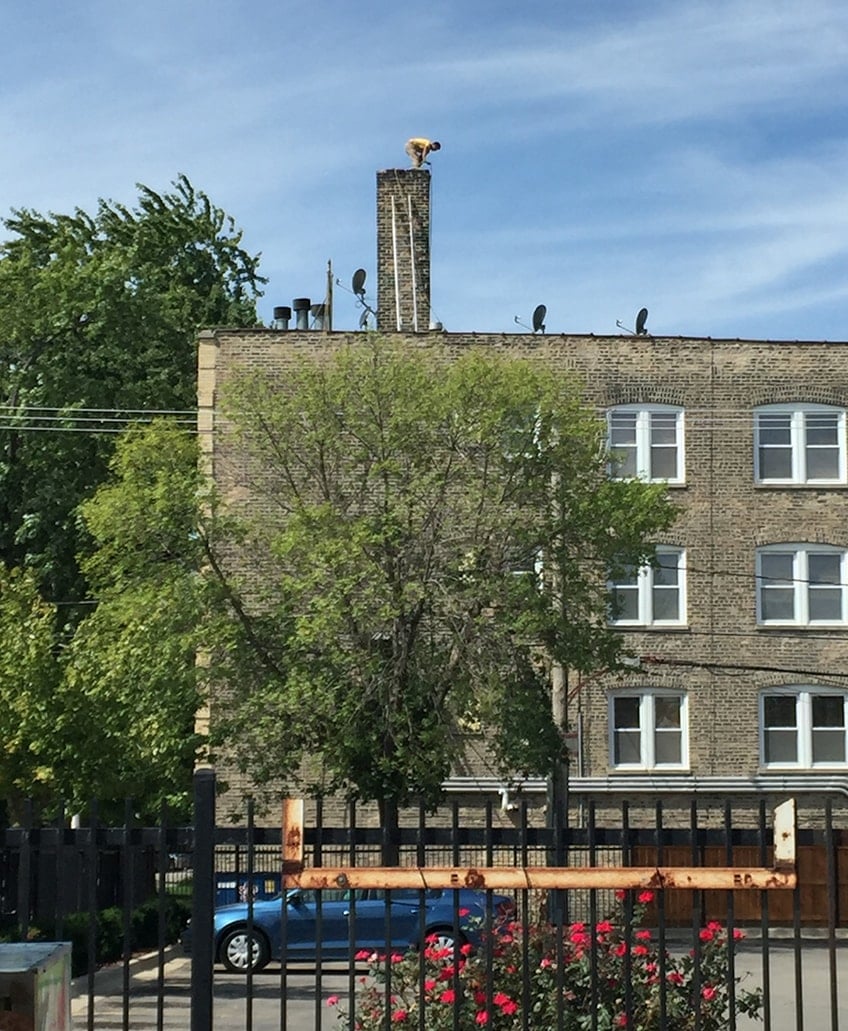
[788,770]
[791,485]
[650,771]
[812,627]
[656,628]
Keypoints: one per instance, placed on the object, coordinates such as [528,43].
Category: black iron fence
[514,958]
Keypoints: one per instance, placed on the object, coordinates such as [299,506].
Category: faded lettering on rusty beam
[513,878]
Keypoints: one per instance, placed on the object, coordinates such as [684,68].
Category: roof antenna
[357,287]
[538,319]
[641,319]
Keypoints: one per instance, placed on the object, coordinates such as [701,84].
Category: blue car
[443,913]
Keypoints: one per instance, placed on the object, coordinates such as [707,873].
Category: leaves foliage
[425,534]
[98,321]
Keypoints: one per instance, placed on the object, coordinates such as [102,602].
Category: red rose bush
[544,977]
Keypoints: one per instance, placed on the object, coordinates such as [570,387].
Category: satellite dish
[358,283]
[641,319]
[539,318]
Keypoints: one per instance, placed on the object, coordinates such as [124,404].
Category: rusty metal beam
[782,876]
[512,878]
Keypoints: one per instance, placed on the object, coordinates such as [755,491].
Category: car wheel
[233,952]
[441,939]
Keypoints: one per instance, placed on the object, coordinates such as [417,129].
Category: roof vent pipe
[301,307]
[319,314]
[282,314]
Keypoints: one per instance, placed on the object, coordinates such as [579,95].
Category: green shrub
[109,931]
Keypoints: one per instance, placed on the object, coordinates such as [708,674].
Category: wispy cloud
[597,156]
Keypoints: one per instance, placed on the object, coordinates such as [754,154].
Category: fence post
[203,900]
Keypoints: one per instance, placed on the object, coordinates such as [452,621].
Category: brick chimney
[403,250]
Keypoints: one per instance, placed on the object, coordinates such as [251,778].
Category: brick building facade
[742,629]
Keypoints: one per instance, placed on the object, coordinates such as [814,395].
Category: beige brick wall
[724,516]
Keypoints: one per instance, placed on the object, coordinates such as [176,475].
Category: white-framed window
[654,595]
[646,441]
[648,730]
[800,444]
[804,727]
[802,585]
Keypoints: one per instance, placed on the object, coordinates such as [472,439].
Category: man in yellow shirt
[418,149]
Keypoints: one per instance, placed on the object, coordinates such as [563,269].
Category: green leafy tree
[423,537]
[98,321]
[129,693]
[27,679]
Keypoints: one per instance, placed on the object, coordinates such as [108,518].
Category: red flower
[482,1017]
[621,949]
[675,977]
[500,998]
[738,934]
[644,936]
[508,1008]
[621,894]
[708,992]
[604,927]
[640,950]
[332,1000]
[448,995]
[466,949]
[646,897]
[463,912]
[399,1015]
[706,934]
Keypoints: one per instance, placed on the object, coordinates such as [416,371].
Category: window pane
[825,603]
[625,604]
[777,603]
[663,463]
[667,748]
[774,436]
[828,710]
[624,463]
[828,746]
[666,712]
[775,430]
[627,748]
[822,463]
[622,439]
[663,428]
[623,429]
[781,746]
[666,603]
[824,569]
[780,710]
[666,570]
[626,713]
[776,567]
[822,429]
[775,464]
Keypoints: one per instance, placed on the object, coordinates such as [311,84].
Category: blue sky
[596,156]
